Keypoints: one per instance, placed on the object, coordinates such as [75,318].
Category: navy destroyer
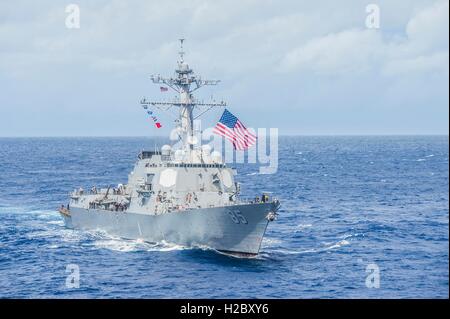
[184,195]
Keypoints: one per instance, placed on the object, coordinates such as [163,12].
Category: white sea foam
[165,246]
[301,227]
[350,235]
[292,252]
[56,222]
[71,235]
[118,245]
[43,214]
[257,173]
[327,247]
[46,216]
[338,244]
[126,245]
[268,242]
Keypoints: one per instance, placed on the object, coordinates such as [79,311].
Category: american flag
[232,129]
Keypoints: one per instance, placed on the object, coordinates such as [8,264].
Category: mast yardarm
[184,83]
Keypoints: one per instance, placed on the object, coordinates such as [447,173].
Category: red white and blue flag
[232,129]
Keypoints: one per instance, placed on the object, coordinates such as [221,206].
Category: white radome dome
[166,149]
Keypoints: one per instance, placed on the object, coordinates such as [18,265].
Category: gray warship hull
[236,229]
[183,193]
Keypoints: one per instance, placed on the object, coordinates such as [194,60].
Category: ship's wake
[272,247]
[133,245]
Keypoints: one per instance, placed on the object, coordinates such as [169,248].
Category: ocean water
[354,209]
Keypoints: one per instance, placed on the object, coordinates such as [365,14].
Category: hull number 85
[237,217]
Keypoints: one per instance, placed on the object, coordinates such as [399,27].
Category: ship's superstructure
[184,194]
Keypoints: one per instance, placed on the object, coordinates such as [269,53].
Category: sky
[304,67]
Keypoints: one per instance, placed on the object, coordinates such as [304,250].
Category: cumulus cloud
[435,62]
[428,30]
[346,51]
[423,47]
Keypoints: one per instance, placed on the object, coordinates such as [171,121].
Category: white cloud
[436,62]
[428,30]
[346,51]
[292,35]
[422,48]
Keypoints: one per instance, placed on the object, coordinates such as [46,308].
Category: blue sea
[352,207]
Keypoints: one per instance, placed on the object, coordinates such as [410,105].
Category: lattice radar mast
[184,83]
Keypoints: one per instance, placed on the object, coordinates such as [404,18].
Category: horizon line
[281,135]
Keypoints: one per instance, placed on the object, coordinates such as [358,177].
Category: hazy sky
[306,67]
